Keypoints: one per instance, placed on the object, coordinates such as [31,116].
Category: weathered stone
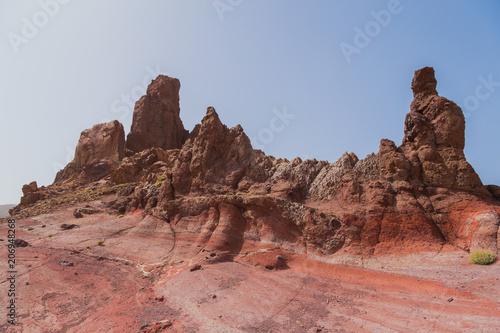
[96,154]
[156,122]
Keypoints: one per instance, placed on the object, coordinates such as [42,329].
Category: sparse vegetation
[160,180]
[49,235]
[88,246]
[100,243]
[120,216]
[482,257]
[66,194]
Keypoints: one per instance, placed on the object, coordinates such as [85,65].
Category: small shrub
[101,243]
[160,180]
[120,216]
[482,257]
[88,246]
[49,235]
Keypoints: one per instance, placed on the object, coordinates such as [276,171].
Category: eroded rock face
[156,122]
[216,159]
[419,196]
[103,141]
[99,149]
[430,165]
[432,150]
[32,194]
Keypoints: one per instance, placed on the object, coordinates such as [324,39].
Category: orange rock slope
[200,232]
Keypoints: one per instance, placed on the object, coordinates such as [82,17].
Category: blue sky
[86,62]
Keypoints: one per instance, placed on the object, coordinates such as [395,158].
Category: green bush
[160,180]
[101,243]
[482,257]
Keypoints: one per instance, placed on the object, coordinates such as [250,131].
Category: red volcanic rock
[424,82]
[97,152]
[404,198]
[215,202]
[393,201]
[31,194]
[156,122]
[217,159]
[430,166]
[394,166]
[473,225]
[494,190]
[435,138]
[30,188]
[103,141]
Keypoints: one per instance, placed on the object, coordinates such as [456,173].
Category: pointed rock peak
[164,88]
[346,161]
[354,157]
[424,82]
[237,129]
[211,113]
[212,119]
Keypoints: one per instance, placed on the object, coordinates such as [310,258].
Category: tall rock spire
[156,122]
[432,152]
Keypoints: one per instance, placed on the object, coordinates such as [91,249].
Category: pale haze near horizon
[89,61]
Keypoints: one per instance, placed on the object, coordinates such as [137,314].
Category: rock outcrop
[156,122]
[100,142]
[191,226]
[98,150]
[419,196]
[435,139]
[31,194]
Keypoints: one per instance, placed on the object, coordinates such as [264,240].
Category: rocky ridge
[421,195]
[208,234]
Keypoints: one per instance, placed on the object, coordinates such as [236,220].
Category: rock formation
[99,142]
[432,150]
[156,122]
[421,195]
[98,149]
[31,194]
[192,227]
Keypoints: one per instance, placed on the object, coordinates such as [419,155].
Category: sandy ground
[145,273]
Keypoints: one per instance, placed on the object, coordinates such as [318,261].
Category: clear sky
[337,72]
